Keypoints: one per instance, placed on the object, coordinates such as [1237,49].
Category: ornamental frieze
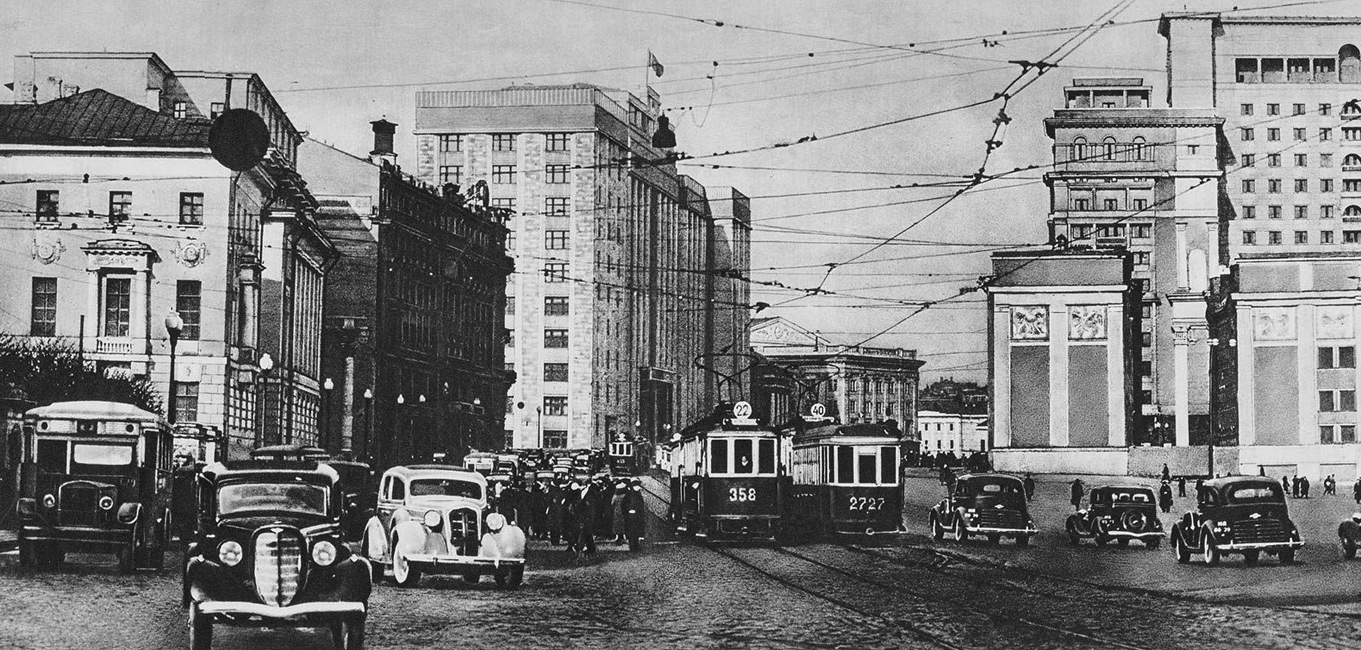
[1029,323]
[1087,322]
[48,249]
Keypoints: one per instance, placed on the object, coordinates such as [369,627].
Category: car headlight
[229,552]
[431,519]
[106,502]
[495,522]
[323,553]
[49,501]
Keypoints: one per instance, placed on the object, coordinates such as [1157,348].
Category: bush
[52,371]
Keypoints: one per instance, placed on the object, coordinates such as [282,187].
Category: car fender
[376,540]
[409,536]
[1175,534]
[508,543]
[957,515]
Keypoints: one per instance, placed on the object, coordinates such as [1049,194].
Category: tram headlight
[229,552]
[106,502]
[324,553]
[49,501]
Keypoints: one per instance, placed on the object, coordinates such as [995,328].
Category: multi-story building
[611,303]
[795,368]
[958,433]
[112,149]
[415,309]
[1132,177]
[1285,312]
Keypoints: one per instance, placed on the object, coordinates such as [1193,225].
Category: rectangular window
[117,306]
[1273,212]
[555,206]
[1273,109]
[1301,185]
[555,338]
[744,456]
[1325,134]
[1325,212]
[1299,134]
[1325,109]
[1348,432]
[451,174]
[1141,230]
[1325,185]
[451,143]
[1351,134]
[1147,340]
[186,401]
[556,174]
[216,109]
[1301,237]
[1249,186]
[1325,434]
[1301,160]
[555,141]
[503,174]
[1247,134]
[1140,204]
[1273,134]
[189,305]
[1245,109]
[1326,401]
[1249,212]
[1325,160]
[1141,258]
[503,142]
[49,205]
[120,206]
[718,456]
[1249,238]
[1299,109]
[504,204]
[555,272]
[1346,400]
[1273,185]
[555,240]
[1110,204]
[180,110]
[1325,237]
[44,315]
[191,208]
[555,372]
[1351,236]
[555,439]
[1249,159]
[1273,160]
[1301,212]
[765,457]
[1273,238]
[555,306]
[555,406]
[1082,204]
[1346,356]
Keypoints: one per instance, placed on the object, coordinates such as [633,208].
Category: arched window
[1351,107]
[1139,148]
[1352,211]
[1108,148]
[1079,148]
[1349,59]
[1352,160]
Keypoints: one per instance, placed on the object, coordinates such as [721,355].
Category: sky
[824,212]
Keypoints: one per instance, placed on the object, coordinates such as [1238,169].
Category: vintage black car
[270,553]
[984,504]
[1237,514]
[1120,514]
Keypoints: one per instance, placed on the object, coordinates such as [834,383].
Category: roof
[98,117]
[270,468]
[91,409]
[1132,488]
[1230,480]
[432,470]
[988,477]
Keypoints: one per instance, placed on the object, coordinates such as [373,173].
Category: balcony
[113,345]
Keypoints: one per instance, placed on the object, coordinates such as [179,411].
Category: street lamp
[266,364]
[324,430]
[368,420]
[173,326]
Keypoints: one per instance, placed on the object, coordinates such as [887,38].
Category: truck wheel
[348,632]
[200,629]
[1288,556]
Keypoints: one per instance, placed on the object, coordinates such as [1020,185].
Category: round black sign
[239,139]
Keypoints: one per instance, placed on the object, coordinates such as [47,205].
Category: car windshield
[1129,496]
[992,490]
[83,454]
[1255,493]
[305,498]
[446,487]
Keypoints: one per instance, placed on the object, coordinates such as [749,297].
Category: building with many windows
[614,295]
[123,216]
[957,433]
[415,309]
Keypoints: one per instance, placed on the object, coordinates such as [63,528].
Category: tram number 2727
[741,494]
[866,503]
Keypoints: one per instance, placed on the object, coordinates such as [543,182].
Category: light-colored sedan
[435,519]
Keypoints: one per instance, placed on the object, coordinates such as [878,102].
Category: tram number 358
[741,494]
[866,503]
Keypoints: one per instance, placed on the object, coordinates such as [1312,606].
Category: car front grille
[994,518]
[278,565]
[464,530]
[1260,530]
[78,504]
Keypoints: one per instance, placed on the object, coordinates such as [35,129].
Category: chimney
[382,143]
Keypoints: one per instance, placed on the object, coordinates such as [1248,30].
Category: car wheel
[1348,548]
[1123,541]
[1183,553]
[961,534]
[1250,557]
[348,633]
[126,559]
[1099,532]
[1153,542]
[937,530]
[1023,541]
[1210,553]
[1071,528]
[1288,556]
[994,538]
[517,577]
[472,578]
[404,573]
[27,553]
[200,629]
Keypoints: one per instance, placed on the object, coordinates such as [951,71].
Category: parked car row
[1244,515]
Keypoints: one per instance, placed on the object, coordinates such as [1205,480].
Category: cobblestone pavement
[881,592]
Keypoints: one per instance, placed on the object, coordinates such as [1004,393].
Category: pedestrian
[583,508]
[1029,484]
[1200,488]
[1295,486]
[1329,486]
[1356,491]
[1181,486]
[1078,490]
[538,506]
[1304,487]
[1285,484]
[633,514]
[557,514]
[1167,474]
[1165,497]
[617,510]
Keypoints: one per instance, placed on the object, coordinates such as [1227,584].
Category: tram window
[888,469]
[51,456]
[743,456]
[766,457]
[845,465]
[718,457]
[867,462]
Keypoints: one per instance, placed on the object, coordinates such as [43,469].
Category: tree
[53,371]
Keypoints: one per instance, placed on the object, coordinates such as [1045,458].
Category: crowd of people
[576,512]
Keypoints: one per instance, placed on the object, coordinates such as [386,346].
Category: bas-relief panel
[1029,323]
[1333,322]
[1087,322]
[1273,324]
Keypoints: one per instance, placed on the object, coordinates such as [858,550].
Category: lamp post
[324,429]
[173,326]
[266,364]
[368,421]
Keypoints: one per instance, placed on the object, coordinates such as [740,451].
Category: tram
[727,481]
[846,479]
[622,456]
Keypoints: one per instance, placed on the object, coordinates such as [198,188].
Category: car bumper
[84,536]
[288,612]
[457,563]
[1260,546]
[1125,534]
[993,530]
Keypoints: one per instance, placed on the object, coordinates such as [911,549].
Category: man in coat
[1029,484]
[1078,491]
[633,514]
[1165,497]
[583,509]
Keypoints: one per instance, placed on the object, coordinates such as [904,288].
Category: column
[1306,358]
[1001,382]
[1115,376]
[1180,371]
[1247,411]
[1058,375]
[1183,271]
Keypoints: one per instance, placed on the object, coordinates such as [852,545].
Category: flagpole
[647,69]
